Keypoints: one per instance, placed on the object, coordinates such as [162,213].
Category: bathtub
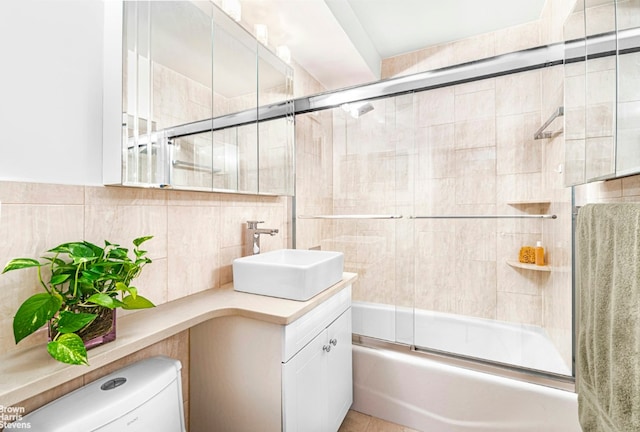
[514,344]
[430,395]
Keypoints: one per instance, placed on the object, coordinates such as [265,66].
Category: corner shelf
[517,264]
[529,202]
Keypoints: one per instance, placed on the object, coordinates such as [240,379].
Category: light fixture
[233,8]
[357,109]
[262,33]
[284,53]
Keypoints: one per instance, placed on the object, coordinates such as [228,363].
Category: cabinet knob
[326,348]
[333,342]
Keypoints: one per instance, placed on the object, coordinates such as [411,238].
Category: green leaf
[140,253]
[137,242]
[69,348]
[89,276]
[59,278]
[34,313]
[138,302]
[63,248]
[54,260]
[97,250]
[79,252]
[105,300]
[124,288]
[20,263]
[70,322]
[119,253]
[121,286]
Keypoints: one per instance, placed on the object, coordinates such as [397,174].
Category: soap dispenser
[539,254]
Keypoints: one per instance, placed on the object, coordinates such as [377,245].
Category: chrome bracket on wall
[540,133]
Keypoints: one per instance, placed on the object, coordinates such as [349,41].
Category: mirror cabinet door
[628,122]
[139,139]
[167,69]
[574,97]
[275,136]
[600,101]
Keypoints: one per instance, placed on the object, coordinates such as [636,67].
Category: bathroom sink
[294,274]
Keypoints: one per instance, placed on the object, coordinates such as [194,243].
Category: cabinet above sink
[193,101]
[293,274]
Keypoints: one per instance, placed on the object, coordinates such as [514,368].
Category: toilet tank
[142,397]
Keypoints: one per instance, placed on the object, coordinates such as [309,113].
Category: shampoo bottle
[539,254]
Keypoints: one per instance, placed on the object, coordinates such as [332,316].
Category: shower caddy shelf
[517,264]
[544,202]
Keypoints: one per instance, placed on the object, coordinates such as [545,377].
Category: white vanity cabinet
[252,375]
[317,381]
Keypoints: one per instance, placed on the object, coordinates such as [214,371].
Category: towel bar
[355,216]
[544,216]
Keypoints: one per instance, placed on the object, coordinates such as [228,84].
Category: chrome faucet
[252,237]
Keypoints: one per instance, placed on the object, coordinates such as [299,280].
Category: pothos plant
[84,280]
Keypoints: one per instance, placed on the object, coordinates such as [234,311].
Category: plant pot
[100,331]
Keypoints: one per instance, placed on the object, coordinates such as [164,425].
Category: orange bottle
[539,254]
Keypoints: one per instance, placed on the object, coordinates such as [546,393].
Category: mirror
[575,93]
[197,93]
[275,137]
[628,124]
[600,96]
[602,91]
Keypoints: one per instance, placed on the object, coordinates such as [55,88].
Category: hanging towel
[608,342]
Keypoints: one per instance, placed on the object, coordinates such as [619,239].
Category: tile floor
[358,422]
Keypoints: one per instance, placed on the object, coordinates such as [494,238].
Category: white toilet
[142,397]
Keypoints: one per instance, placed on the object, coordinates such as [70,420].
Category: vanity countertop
[29,372]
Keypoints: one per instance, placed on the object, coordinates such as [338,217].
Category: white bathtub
[515,344]
[431,396]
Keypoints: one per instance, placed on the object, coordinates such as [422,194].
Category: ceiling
[342,42]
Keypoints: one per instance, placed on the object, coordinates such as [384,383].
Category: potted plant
[86,284]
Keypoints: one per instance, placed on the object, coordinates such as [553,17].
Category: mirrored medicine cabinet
[602,90]
[193,101]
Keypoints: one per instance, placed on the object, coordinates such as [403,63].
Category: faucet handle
[253,224]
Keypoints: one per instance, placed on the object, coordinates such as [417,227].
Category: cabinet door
[339,371]
[305,388]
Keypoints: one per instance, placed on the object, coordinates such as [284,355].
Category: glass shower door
[363,151]
[484,188]
[430,195]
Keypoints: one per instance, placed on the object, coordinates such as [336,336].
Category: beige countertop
[26,373]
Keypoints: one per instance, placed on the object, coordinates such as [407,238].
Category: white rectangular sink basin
[294,274]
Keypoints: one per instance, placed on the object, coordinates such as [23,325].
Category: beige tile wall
[626,189]
[473,153]
[196,235]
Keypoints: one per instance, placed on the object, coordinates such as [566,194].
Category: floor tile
[358,422]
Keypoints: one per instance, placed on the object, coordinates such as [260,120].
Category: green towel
[608,343]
